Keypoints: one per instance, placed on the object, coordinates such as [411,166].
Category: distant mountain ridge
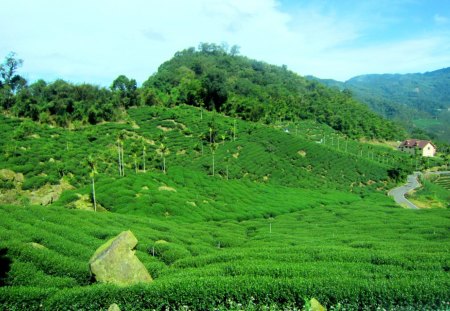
[419,100]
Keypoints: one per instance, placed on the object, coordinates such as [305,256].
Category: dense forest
[419,101]
[213,77]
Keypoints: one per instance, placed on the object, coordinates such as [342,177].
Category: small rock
[316,306]
[114,307]
[115,262]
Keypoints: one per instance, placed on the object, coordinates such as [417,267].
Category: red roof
[412,143]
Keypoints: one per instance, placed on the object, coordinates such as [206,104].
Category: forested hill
[428,92]
[420,100]
[256,91]
[211,77]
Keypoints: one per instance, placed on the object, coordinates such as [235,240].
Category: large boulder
[115,262]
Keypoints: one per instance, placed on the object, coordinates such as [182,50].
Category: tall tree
[92,173]
[213,146]
[10,81]
[163,151]
[125,91]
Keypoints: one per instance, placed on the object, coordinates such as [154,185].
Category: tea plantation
[229,215]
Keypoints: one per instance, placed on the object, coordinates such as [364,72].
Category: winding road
[399,193]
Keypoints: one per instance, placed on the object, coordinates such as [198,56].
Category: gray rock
[115,262]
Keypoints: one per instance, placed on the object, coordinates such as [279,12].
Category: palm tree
[144,148]
[213,148]
[120,138]
[135,162]
[201,137]
[163,151]
[91,164]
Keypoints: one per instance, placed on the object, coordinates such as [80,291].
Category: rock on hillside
[115,262]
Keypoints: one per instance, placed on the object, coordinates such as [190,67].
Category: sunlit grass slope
[246,214]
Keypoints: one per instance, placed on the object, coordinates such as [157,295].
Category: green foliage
[420,100]
[293,210]
[252,90]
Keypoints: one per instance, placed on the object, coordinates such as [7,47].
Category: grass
[273,227]
[435,192]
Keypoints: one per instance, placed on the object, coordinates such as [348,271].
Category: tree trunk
[93,194]
[164,165]
[143,159]
[213,165]
[123,164]
[120,163]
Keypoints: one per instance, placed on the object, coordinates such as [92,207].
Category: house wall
[428,151]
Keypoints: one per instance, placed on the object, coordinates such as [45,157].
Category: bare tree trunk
[120,163]
[213,167]
[93,194]
[143,159]
[123,164]
[164,165]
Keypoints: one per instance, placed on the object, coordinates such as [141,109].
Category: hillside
[247,186]
[245,216]
[252,90]
[420,100]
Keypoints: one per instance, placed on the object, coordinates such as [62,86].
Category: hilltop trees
[124,92]
[214,77]
[256,91]
[10,81]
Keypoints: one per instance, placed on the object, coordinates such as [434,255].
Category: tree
[144,149]
[10,82]
[213,147]
[8,72]
[119,141]
[124,91]
[234,51]
[163,151]
[92,173]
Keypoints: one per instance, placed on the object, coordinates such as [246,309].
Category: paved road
[399,193]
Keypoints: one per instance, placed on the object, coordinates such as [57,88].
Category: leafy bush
[34,182]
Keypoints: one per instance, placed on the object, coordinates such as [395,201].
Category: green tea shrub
[24,298]
[168,252]
[34,182]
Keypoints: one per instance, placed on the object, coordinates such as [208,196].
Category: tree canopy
[213,76]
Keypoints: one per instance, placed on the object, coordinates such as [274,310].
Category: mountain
[256,91]
[419,100]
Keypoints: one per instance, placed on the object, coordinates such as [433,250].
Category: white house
[425,147]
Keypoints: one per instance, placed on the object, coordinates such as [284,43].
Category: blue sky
[96,40]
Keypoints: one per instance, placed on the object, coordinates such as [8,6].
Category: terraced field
[443,181]
[246,216]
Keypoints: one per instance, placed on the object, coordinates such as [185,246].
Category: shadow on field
[5,265]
